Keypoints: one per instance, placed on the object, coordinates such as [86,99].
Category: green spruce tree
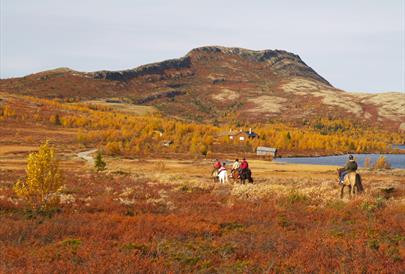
[99,163]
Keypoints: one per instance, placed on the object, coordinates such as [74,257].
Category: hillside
[223,84]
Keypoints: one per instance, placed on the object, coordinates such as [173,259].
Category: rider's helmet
[350,157]
[223,164]
[236,160]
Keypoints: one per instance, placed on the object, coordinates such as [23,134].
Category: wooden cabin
[266,151]
[241,135]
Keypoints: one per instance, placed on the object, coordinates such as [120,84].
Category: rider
[350,166]
[222,168]
[217,165]
[244,165]
[235,166]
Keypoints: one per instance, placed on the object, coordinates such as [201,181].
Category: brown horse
[235,175]
[353,181]
[242,175]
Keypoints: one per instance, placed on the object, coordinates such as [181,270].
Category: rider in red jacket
[217,164]
[244,164]
[216,167]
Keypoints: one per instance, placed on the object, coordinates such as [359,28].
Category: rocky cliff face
[222,84]
[155,68]
[281,62]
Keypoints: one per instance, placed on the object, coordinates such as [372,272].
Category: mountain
[219,83]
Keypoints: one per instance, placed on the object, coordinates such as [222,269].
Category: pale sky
[357,45]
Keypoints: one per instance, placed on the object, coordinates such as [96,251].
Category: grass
[121,107]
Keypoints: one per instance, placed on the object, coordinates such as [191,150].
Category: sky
[357,45]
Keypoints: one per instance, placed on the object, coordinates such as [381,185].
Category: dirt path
[85,155]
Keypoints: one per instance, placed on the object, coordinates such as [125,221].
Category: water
[396,160]
[398,146]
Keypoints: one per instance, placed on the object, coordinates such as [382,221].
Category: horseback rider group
[238,168]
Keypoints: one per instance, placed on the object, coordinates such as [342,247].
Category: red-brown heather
[120,223]
[153,207]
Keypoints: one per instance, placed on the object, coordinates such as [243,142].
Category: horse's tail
[359,183]
[249,175]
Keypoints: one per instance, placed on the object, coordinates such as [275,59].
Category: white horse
[223,176]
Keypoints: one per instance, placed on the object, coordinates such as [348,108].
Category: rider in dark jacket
[351,166]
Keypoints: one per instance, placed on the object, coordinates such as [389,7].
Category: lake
[396,160]
[398,146]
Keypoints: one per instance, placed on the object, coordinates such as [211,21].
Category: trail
[85,155]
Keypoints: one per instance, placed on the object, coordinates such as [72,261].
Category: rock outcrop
[154,68]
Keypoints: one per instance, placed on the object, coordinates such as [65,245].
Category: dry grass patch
[121,106]
[391,105]
[226,95]
[267,104]
[330,96]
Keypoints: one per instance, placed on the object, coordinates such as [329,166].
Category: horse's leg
[353,189]
[341,191]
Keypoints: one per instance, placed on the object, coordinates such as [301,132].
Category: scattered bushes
[382,163]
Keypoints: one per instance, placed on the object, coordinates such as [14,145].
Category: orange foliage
[127,134]
[119,224]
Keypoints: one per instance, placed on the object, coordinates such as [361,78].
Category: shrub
[55,119]
[143,249]
[43,179]
[99,163]
[382,163]
[72,244]
[296,197]
[367,162]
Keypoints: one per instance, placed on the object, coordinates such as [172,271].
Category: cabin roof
[251,134]
[266,149]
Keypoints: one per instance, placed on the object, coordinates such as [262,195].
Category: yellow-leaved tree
[43,179]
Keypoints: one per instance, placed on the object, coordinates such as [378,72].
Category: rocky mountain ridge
[216,83]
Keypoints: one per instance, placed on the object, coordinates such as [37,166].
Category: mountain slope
[218,83]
